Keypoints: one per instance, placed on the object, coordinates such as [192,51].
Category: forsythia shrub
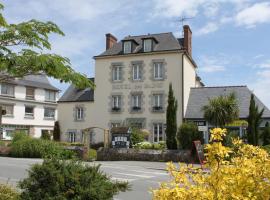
[240,172]
[8,193]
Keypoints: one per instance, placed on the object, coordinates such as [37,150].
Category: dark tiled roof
[165,42]
[72,94]
[199,97]
[37,81]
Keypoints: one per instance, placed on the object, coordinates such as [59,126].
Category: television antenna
[184,19]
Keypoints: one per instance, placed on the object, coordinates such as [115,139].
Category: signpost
[121,137]
[199,150]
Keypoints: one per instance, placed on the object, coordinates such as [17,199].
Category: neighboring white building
[132,80]
[30,104]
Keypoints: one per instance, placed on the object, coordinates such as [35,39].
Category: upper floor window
[30,93]
[116,103]
[8,110]
[49,113]
[147,45]
[158,132]
[29,111]
[136,72]
[127,47]
[117,73]
[158,70]
[157,102]
[50,95]
[7,89]
[79,113]
[136,102]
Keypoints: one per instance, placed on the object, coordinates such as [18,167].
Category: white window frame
[50,95]
[160,130]
[157,100]
[158,71]
[116,101]
[4,106]
[127,47]
[9,86]
[147,45]
[136,72]
[79,113]
[72,136]
[137,101]
[116,73]
[49,117]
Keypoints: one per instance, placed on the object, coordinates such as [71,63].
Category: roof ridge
[229,86]
[149,34]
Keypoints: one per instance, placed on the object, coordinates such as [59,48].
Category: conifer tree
[254,121]
[171,120]
[266,134]
[56,131]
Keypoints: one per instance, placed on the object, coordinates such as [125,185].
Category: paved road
[141,175]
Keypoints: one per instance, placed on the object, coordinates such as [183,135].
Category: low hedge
[26,147]
[148,145]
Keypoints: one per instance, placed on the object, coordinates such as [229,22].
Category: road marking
[136,175]
[122,179]
[151,172]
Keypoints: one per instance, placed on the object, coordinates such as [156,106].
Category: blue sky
[230,37]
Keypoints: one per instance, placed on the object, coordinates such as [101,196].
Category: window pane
[8,109]
[127,47]
[158,70]
[147,45]
[50,95]
[49,112]
[30,93]
[29,110]
[7,89]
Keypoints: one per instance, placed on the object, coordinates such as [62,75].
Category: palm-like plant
[221,110]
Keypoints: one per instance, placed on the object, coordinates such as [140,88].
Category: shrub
[57,180]
[71,144]
[228,139]
[138,135]
[96,146]
[187,133]
[8,193]
[266,148]
[148,145]
[27,147]
[45,135]
[2,144]
[240,172]
[92,154]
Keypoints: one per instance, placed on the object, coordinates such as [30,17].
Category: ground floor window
[158,132]
[72,137]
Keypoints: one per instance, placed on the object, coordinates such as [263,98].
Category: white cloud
[212,68]
[208,28]
[261,86]
[256,14]
[263,65]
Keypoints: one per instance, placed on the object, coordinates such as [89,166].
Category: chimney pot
[188,39]
[110,40]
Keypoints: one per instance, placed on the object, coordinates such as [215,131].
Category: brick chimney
[110,40]
[188,39]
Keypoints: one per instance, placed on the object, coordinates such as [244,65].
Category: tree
[221,110]
[254,121]
[56,131]
[171,120]
[22,53]
[187,133]
[266,134]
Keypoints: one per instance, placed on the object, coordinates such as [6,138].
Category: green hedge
[26,147]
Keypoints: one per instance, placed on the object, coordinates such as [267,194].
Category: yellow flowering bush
[241,172]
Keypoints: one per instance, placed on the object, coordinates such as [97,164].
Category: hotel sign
[137,86]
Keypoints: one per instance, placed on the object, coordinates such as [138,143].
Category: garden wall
[109,154]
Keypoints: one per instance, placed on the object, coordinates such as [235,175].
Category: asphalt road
[141,175]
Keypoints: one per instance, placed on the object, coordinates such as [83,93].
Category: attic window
[127,47]
[147,45]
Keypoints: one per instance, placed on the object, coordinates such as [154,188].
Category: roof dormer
[129,46]
[149,44]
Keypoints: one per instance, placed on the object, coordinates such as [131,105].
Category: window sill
[31,99]
[9,116]
[6,95]
[29,117]
[79,120]
[158,79]
[49,118]
[54,101]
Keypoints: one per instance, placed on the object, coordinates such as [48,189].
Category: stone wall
[106,154]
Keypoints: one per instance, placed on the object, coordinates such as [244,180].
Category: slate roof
[72,94]
[36,81]
[165,42]
[199,97]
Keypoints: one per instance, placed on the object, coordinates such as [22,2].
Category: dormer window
[147,45]
[127,47]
